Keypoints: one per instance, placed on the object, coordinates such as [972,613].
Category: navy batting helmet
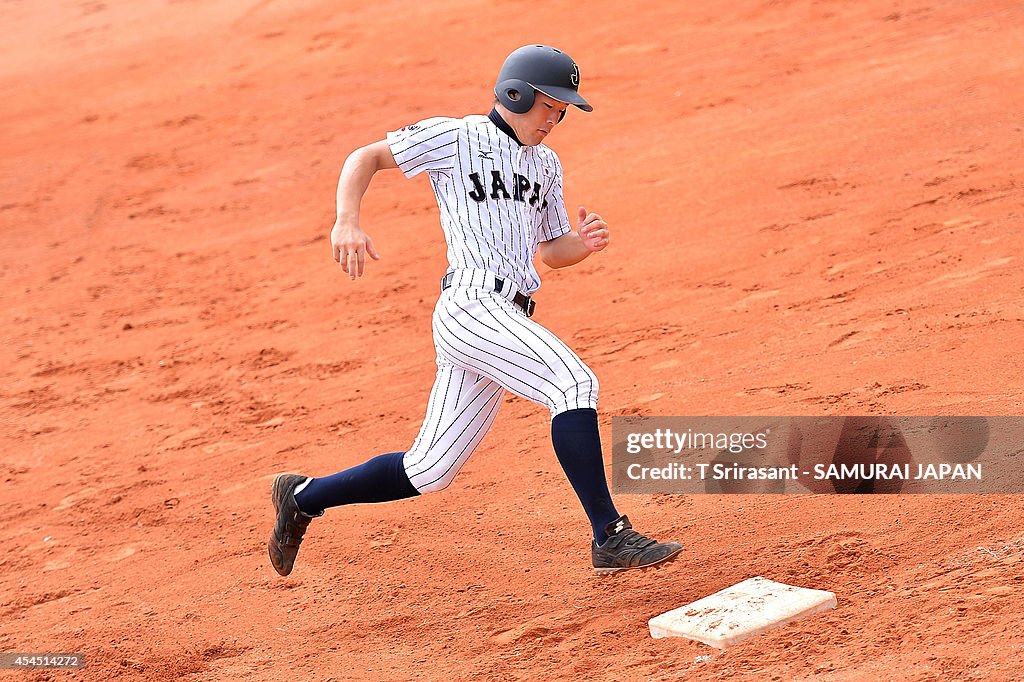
[538,68]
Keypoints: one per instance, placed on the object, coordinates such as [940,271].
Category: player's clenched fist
[350,246]
[593,230]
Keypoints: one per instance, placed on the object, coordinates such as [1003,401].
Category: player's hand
[350,246]
[593,231]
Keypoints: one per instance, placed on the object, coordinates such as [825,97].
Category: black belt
[525,302]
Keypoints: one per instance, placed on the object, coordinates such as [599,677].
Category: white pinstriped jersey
[498,200]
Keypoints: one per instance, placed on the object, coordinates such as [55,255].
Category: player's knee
[427,478]
[433,486]
[580,394]
[586,389]
[595,386]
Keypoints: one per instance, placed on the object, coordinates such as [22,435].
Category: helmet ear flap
[515,95]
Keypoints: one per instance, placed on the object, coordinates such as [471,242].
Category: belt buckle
[529,307]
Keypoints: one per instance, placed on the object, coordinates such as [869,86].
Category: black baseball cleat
[291,523]
[625,548]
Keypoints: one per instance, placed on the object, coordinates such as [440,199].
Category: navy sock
[577,443]
[381,479]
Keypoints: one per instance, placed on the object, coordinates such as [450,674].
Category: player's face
[535,125]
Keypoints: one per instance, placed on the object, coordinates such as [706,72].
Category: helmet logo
[574,77]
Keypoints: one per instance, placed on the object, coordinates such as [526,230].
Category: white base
[746,609]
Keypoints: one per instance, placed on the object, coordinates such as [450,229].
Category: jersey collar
[503,126]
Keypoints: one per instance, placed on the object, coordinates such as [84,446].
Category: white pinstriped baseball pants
[485,346]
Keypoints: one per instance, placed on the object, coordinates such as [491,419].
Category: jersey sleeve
[430,145]
[554,221]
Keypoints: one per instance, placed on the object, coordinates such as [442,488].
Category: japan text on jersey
[498,199]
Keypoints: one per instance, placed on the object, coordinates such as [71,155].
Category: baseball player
[499,191]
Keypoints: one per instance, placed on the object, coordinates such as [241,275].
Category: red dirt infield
[814,209]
